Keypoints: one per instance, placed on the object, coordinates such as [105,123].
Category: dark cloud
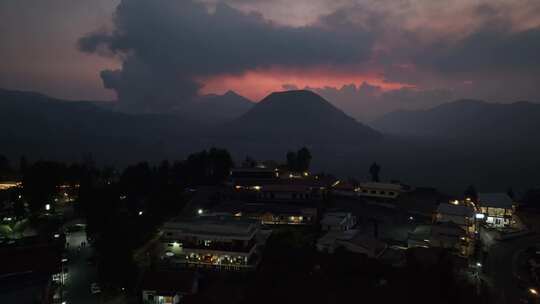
[489,49]
[166,45]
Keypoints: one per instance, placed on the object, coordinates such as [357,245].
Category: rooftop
[382,186]
[286,188]
[496,200]
[214,225]
[238,206]
[334,218]
[451,209]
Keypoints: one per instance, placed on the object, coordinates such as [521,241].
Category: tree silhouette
[292,161]
[303,159]
[40,183]
[471,193]
[6,172]
[299,161]
[374,170]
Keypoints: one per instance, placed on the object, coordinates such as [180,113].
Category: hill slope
[466,119]
[40,126]
[216,109]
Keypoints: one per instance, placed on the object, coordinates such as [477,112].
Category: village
[225,232]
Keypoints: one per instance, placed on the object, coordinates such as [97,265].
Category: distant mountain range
[472,119]
[493,146]
[216,109]
[40,125]
[299,117]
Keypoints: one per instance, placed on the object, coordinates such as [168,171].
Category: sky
[368,57]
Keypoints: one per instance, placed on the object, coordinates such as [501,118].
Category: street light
[478,264]
[200,211]
[533,291]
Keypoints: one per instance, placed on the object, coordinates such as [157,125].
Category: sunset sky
[364,55]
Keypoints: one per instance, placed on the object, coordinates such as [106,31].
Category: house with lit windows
[271,214]
[168,287]
[214,242]
[497,209]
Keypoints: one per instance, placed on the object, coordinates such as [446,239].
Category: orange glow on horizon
[256,85]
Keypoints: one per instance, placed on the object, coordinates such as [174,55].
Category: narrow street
[80,275]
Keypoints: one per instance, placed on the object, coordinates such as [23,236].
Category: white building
[338,221]
[222,242]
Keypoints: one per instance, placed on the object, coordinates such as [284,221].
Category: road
[80,274]
[501,268]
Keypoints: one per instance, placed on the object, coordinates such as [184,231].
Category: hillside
[300,117]
[216,109]
[466,119]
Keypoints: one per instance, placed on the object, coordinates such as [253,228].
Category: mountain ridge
[301,116]
[465,118]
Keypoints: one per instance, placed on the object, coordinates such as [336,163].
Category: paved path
[81,275]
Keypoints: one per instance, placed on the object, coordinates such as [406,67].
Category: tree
[6,172]
[471,193]
[511,193]
[303,159]
[374,171]
[221,164]
[23,165]
[40,183]
[292,161]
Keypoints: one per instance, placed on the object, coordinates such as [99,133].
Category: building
[29,269]
[497,209]
[381,190]
[351,240]
[216,242]
[269,213]
[338,221]
[168,287]
[344,189]
[293,193]
[250,177]
[457,213]
[446,235]
[8,185]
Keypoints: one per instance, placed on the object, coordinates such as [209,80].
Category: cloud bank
[431,50]
[166,45]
